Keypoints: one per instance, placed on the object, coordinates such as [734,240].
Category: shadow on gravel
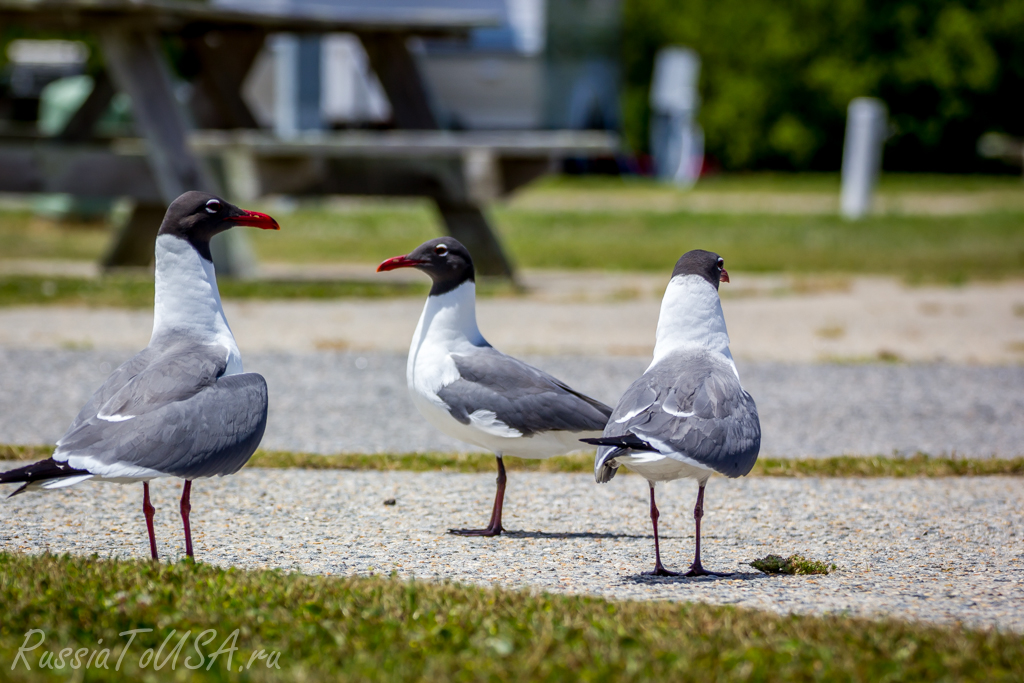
[573,534]
[659,580]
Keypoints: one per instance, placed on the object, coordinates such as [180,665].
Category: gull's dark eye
[441,250]
[721,263]
[212,206]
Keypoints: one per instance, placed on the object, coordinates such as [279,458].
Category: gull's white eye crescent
[441,249]
[212,206]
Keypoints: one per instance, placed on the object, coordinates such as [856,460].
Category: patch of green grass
[571,234]
[942,183]
[24,236]
[128,291]
[786,183]
[366,232]
[916,248]
[9,452]
[919,465]
[642,234]
[386,629]
[794,565]
[328,289]
[419,462]
[843,466]
[120,291]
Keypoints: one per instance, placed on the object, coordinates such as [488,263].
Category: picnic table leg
[138,67]
[400,78]
[81,124]
[410,107]
[222,59]
[136,239]
[468,224]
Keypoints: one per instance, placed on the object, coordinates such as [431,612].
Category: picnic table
[226,152]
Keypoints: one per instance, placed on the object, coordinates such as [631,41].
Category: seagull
[687,416]
[473,392]
[182,407]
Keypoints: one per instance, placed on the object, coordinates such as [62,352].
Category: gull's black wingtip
[38,471]
[605,465]
[630,441]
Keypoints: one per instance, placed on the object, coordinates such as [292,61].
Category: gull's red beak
[255,219]
[724,277]
[398,262]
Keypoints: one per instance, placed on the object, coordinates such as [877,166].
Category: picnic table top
[172,15]
[410,143]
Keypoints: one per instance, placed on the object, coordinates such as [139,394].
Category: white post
[286,85]
[677,141]
[862,155]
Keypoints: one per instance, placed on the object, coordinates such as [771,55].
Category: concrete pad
[770,318]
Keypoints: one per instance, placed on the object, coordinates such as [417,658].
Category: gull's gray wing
[692,404]
[113,384]
[177,415]
[521,396]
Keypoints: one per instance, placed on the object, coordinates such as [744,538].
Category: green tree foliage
[777,76]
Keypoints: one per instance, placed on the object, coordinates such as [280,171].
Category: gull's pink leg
[186,508]
[494,527]
[697,569]
[147,510]
[659,568]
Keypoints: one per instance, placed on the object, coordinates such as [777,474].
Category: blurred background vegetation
[776,80]
[777,77]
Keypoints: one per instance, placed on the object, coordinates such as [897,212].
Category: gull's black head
[445,260]
[197,216]
[706,264]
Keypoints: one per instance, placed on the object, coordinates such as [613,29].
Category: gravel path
[771,318]
[329,402]
[941,550]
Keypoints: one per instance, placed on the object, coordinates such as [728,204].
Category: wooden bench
[460,171]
